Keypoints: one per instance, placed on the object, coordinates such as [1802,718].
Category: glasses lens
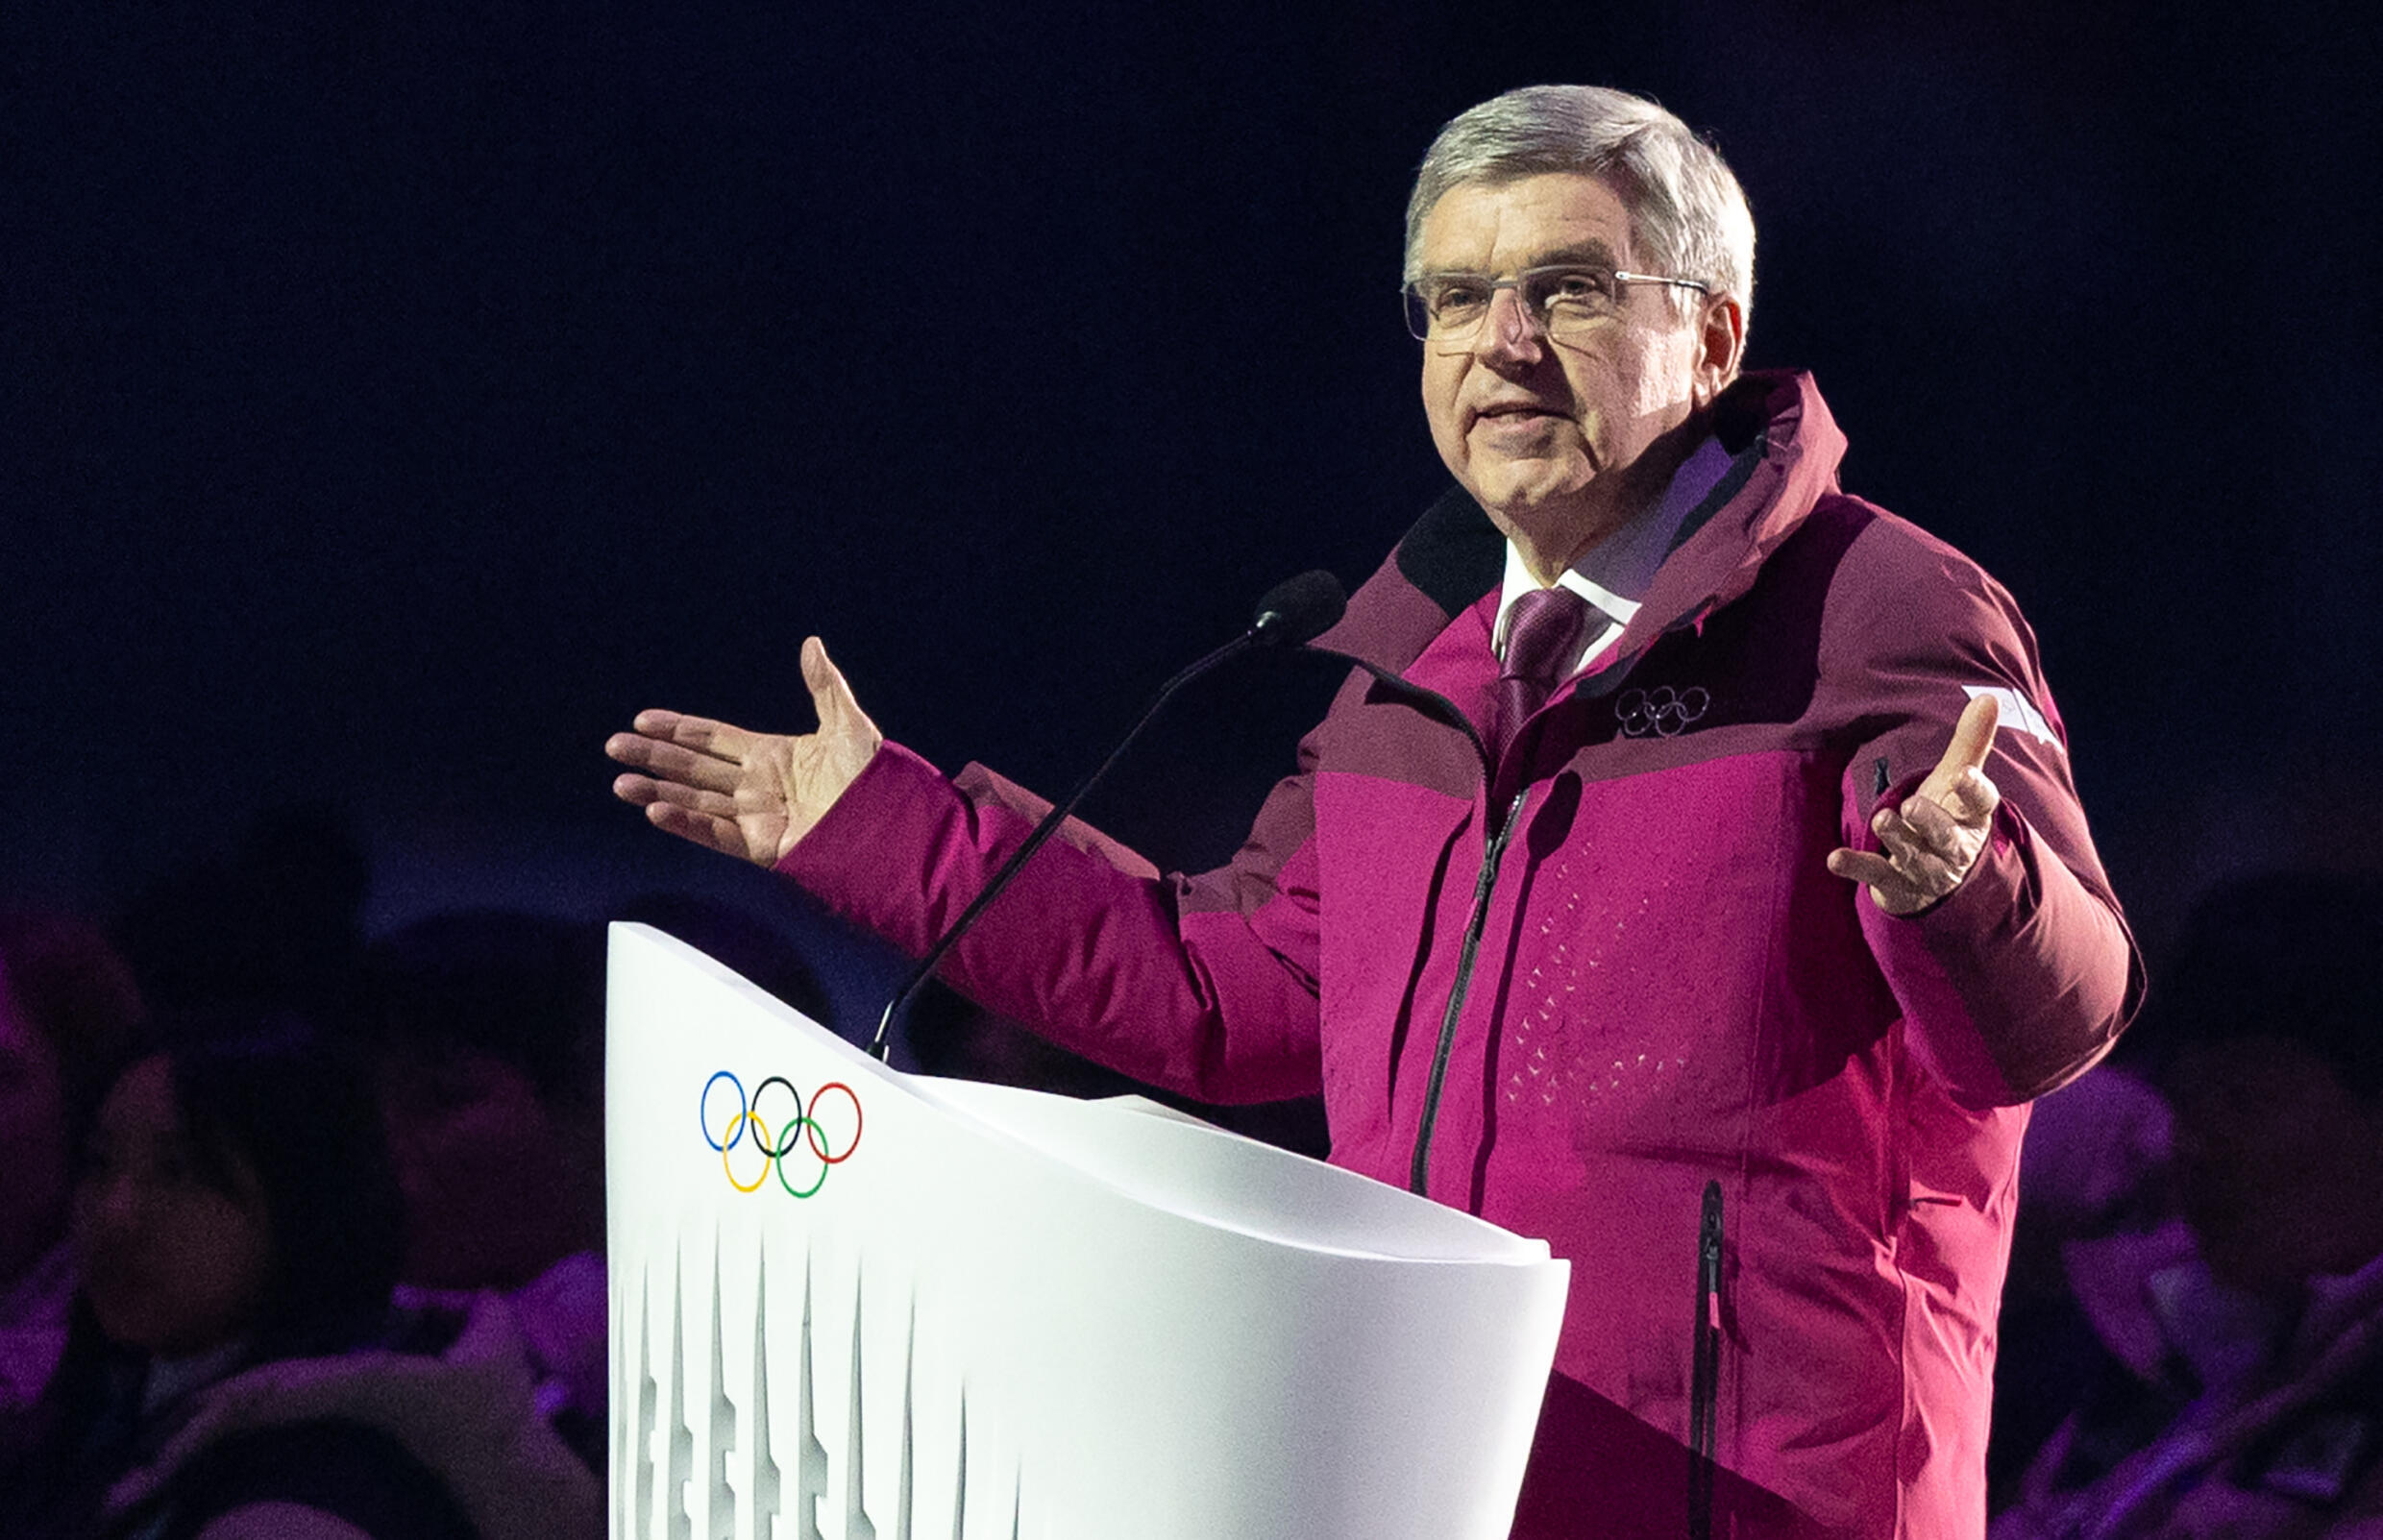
[1418,315]
[1448,307]
[1569,298]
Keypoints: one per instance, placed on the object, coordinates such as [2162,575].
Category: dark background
[392,405]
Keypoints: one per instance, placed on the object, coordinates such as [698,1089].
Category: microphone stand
[1287,614]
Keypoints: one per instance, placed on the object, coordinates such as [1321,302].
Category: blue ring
[703,1110]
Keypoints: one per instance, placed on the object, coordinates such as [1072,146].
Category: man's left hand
[1933,837]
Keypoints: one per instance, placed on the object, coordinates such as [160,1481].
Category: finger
[1965,792]
[630,749]
[668,762]
[1915,861]
[1891,889]
[1972,739]
[716,834]
[1937,828]
[643,792]
[1971,800]
[1864,867]
[719,738]
[831,697]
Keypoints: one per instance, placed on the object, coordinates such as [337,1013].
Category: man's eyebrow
[1580,254]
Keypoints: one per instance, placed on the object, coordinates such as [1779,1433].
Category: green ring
[787,1138]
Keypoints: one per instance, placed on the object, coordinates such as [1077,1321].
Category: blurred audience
[486,1029]
[238,1230]
[487,1035]
[69,1011]
[259,1281]
[2095,1182]
[2241,1343]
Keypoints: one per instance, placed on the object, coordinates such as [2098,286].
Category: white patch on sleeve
[2016,711]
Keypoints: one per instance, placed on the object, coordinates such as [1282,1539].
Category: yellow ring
[727,1141]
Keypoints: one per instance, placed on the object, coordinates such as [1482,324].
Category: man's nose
[1510,330]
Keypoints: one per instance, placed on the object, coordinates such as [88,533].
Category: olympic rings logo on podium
[801,1140]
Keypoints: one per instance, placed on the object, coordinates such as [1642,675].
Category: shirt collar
[1615,574]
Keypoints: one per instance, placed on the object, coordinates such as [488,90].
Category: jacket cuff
[2018,980]
[868,858]
[1939,961]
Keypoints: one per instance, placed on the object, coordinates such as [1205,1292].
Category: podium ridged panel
[997,1314]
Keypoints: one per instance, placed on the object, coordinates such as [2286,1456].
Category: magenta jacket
[1611,995]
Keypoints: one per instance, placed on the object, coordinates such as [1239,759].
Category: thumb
[1965,756]
[1973,736]
[831,698]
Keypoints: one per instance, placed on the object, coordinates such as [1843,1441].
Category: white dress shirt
[1615,574]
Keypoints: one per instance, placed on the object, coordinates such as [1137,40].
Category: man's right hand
[749,794]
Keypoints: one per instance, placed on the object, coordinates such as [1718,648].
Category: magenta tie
[1543,638]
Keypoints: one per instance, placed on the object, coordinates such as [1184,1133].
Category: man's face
[1549,437]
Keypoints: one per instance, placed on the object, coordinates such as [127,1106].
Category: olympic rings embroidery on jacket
[1660,711]
[802,1127]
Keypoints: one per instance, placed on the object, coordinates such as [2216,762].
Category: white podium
[855,1305]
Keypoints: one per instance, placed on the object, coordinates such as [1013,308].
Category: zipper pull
[1498,835]
[1708,1254]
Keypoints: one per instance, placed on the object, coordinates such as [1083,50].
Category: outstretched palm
[745,794]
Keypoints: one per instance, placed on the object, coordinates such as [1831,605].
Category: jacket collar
[1784,448]
[1785,451]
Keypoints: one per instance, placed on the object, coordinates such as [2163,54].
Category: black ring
[793,1126]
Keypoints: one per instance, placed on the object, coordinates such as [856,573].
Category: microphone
[1292,614]
[1298,610]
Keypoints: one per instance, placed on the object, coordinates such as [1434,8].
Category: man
[1555,928]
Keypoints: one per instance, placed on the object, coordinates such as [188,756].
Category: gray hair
[1688,215]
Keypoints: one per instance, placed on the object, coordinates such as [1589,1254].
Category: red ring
[812,1130]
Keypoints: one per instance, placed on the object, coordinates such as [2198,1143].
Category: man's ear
[1721,346]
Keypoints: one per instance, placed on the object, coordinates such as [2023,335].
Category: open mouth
[1518,414]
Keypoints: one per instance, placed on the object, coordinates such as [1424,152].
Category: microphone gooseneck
[1292,614]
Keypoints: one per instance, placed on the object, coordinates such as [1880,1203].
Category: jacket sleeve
[2026,973]
[1204,984]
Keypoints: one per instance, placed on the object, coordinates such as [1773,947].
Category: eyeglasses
[1448,308]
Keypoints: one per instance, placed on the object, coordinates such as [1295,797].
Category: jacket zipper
[1705,1374]
[1419,1168]
[1482,885]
